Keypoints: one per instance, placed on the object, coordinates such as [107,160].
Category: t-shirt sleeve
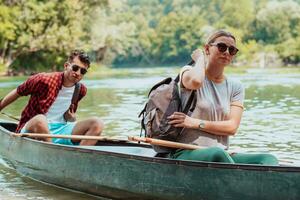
[238,93]
[183,69]
[29,86]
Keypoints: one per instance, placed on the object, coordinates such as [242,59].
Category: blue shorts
[59,129]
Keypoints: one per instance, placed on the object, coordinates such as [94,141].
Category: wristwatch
[201,124]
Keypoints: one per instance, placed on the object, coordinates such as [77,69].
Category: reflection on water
[14,186]
[271,121]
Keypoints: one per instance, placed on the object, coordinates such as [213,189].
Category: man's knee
[38,122]
[97,124]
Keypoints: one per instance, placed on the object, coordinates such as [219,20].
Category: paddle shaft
[10,116]
[176,145]
[73,137]
[164,143]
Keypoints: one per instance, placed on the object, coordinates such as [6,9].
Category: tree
[53,26]
[277,21]
[178,34]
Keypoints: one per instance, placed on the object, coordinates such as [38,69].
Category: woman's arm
[226,127]
[193,79]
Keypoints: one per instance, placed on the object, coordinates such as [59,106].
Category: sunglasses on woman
[75,68]
[222,47]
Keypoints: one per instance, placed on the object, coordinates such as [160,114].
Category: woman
[219,105]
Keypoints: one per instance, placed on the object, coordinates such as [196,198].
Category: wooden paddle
[72,137]
[176,145]
[165,143]
[10,116]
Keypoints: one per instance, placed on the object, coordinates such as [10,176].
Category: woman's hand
[179,119]
[197,54]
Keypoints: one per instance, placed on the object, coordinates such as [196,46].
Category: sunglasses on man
[222,47]
[75,68]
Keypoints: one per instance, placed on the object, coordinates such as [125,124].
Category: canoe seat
[139,151]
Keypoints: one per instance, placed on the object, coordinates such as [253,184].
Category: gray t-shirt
[213,104]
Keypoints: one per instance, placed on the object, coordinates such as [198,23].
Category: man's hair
[82,56]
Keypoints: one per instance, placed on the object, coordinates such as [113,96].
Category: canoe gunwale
[200,164]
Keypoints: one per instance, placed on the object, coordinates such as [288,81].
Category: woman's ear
[206,49]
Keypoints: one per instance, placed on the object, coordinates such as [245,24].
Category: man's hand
[70,115]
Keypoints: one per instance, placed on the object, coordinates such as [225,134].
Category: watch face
[201,124]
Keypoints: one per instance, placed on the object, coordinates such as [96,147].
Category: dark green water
[271,121]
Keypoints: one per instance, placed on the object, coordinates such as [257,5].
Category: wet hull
[122,170]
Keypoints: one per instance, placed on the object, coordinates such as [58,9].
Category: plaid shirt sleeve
[29,86]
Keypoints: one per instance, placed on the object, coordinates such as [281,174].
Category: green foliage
[177,35]
[55,27]
[277,21]
[248,50]
[232,16]
[289,51]
[7,28]
[143,32]
[169,30]
[32,62]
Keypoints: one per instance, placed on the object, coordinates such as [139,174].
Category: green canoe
[125,170]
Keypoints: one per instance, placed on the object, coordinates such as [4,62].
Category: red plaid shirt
[43,88]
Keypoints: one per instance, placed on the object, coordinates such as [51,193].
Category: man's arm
[9,98]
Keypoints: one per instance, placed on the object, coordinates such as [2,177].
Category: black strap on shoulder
[76,93]
[177,79]
[191,62]
[74,97]
[191,103]
[165,81]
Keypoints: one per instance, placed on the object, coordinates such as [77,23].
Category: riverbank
[98,71]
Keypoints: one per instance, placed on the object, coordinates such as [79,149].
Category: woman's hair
[217,34]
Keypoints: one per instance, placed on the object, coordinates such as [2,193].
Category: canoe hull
[124,176]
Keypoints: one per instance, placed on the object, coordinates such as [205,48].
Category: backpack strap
[191,62]
[76,93]
[192,98]
[191,103]
[165,81]
[177,79]
[74,97]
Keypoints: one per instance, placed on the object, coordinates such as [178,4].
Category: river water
[270,124]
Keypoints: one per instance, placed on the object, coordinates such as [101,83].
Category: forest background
[37,35]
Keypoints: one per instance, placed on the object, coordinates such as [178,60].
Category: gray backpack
[163,101]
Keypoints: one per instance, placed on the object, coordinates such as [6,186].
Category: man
[50,109]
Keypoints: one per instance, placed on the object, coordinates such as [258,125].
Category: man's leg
[92,127]
[38,124]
